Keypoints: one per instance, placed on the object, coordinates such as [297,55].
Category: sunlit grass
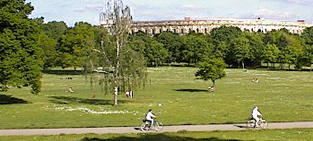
[281,96]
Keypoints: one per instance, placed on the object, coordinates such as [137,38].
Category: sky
[72,11]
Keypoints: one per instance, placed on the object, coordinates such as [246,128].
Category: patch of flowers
[87,110]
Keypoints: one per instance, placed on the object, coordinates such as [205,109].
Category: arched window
[153,31]
[206,31]
[198,30]
[160,30]
[182,31]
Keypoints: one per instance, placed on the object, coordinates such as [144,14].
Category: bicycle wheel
[143,127]
[263,124]
[250,124]
[158,126]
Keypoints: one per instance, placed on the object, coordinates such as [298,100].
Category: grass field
[249,135]
[172,92]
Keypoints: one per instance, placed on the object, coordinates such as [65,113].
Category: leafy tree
[20,55]
[222,39]
[307,58]
[55,29]
[290,46]
[196,48]
[153,51]
[76,44]
[307,36]
[48,45]
[256,47]
[270,54]
[211,69]
[241,49]
[128,66]
[173,43]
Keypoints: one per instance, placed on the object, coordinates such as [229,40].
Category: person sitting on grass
[255,80]
[211,89]
[70,90]
[256,116]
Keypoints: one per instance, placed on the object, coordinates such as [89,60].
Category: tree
[76,44]
[271,53]
[20,55]
[48,45]
[256,49]
[211,69]
[290,46]
[307,57]
[153,51]
[173,43]
[307,35]
[195,48]
[241,49]
[222,39]
[55,29]
[128,66]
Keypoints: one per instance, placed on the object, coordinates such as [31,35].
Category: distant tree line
[68,46]
[27,46]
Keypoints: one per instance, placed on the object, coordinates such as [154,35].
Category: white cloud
[272,14]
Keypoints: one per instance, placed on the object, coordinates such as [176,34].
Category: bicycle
[146,126]
[262,123]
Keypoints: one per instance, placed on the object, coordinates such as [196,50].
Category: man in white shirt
[256,115]
[150,116]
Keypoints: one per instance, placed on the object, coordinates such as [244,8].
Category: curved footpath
[121,130]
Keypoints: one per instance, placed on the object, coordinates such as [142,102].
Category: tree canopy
[20,54]
[211,69]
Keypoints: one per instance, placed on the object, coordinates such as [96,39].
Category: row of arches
[206,30]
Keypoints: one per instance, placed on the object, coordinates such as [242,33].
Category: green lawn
[172,92]
[249,135]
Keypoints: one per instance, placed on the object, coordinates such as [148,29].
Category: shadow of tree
[191,90]
[64,72]
[157,137]
[8,99]
[73,100]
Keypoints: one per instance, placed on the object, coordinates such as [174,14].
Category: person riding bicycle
[150,116]
[256,115]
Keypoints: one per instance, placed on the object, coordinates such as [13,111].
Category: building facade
[205,26]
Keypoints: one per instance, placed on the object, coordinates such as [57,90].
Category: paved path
[120,130]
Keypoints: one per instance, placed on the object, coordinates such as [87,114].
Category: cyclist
[256,115]
[150,116]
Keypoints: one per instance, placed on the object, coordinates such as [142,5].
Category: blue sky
[72,11]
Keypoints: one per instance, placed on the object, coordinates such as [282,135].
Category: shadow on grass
[8,99]
[73,100]
[157,137]
[64,72]
[191,90]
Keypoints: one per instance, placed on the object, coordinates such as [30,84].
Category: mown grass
[248,135]
[172,92]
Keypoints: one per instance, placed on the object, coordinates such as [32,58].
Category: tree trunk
[213,81]
[116,75]
[115,96]
[243,65]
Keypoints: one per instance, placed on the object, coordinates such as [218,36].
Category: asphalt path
[123,130]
